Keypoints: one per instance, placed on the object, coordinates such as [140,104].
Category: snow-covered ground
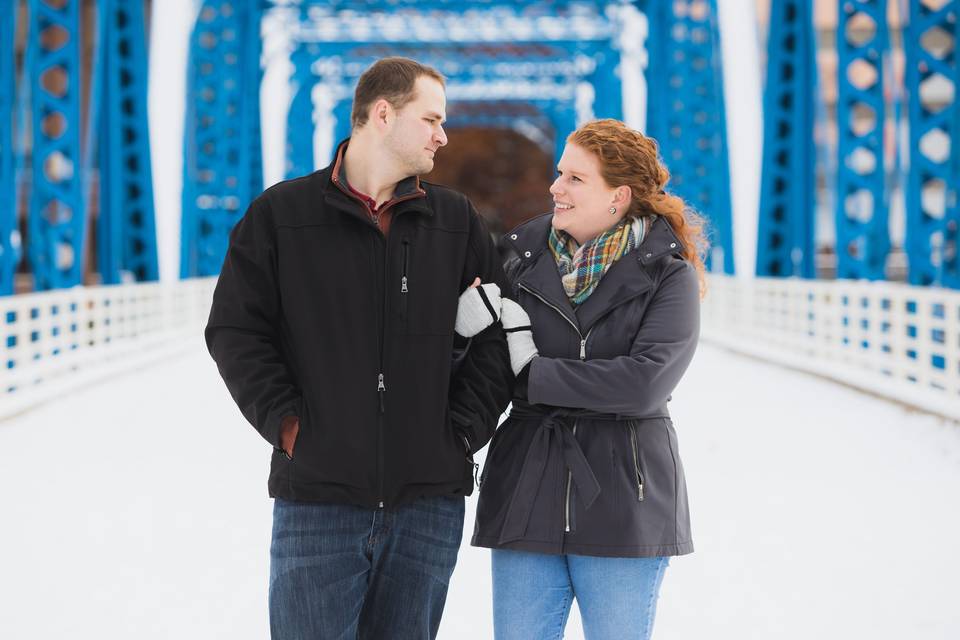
[137,509]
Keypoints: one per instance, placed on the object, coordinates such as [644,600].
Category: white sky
[138,509]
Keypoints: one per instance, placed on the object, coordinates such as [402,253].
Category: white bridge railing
[890,339]
[56,341]
[895,340]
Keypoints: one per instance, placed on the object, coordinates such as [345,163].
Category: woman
[583,492]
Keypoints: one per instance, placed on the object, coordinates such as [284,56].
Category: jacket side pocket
[636,460]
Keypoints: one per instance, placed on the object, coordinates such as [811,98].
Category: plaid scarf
[581,267]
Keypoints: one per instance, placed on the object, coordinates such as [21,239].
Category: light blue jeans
[532,594]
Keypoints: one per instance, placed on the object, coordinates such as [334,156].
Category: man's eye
[576,178]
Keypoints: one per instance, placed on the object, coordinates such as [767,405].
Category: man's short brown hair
[392,79]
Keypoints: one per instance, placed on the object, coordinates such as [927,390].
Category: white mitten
[516,324]
[479,307]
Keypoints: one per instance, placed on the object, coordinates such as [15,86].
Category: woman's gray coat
[588,462]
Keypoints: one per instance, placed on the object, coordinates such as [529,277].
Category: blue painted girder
[785,239]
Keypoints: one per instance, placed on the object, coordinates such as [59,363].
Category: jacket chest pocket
[427,285]
[404,278]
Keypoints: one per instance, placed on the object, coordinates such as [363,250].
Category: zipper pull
[380,506]
[640,491]
[380,389]
[583,349]
[403,284]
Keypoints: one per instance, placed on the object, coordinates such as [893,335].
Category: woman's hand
[516,324]
[479,307]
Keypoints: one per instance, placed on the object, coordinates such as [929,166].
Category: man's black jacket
[317,314]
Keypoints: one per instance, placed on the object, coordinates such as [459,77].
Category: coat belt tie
[552,436]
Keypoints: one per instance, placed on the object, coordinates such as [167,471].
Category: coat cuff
[535,374]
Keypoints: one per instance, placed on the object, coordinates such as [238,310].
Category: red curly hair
[629,158]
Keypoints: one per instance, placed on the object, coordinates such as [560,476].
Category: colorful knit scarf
[581,267]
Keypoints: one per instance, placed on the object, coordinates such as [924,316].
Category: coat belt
[552,436]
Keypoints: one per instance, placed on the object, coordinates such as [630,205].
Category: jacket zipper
[381,384]
[381,337]
[583,338]
[636,461]
[406,264]
[404,280]
[583,356]
[569,482]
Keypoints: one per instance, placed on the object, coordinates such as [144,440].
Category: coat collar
[407,196]
[626,279]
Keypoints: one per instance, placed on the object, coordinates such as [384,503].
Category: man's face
[417,132]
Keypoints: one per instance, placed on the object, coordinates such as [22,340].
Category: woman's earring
[613,211]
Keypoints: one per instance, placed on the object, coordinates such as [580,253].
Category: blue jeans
[345,572]
[532,593]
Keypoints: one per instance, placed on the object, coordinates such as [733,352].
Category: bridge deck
[137,509]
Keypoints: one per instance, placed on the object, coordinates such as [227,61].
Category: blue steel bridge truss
[126,230]
[539,68]
[862,240]
[541,55]
[933,212]
[59,163]
[496,52]
[222,161]
[785,244]
[9,234]
[57,221]
[687,115]
[542,81]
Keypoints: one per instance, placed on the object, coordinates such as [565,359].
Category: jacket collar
[407,196]
[626,279]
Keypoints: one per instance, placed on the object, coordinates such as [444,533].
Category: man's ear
[381,113]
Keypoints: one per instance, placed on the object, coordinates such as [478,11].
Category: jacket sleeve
[242,333]
[639,383]
[480,388]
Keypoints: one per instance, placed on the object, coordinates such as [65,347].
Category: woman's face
[582,199]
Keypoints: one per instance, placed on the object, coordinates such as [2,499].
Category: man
[333,328]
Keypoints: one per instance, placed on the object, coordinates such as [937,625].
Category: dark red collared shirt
[381,217]
[367,200]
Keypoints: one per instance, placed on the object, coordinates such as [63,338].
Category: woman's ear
[622,196]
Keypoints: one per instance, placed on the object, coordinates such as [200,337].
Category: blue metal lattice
[785,244]
[687,116]
[222,164]
[300,124]
[532,53]
[542,75]
[57,221]
[932,79]
[861,201]
[8,192]
[126,227]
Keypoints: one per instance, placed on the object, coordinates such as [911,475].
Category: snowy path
[138,509]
